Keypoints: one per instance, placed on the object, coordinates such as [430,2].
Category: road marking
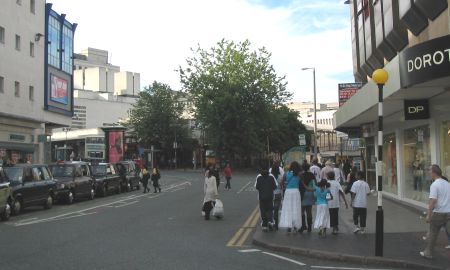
[236,236]
[250,218]
[248,250]
[244,237]
[284,258]
[343,268]
[126,204]
[242,234]
[244,187]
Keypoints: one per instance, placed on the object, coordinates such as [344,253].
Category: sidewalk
[403,229]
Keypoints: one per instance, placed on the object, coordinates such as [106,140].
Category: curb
[325,255]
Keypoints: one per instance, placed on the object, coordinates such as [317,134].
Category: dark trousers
[156,186]
[307,209]
[266,209]
[276,210]
[228,185]
[359,216]
[334,217]
[145,185]
[207,207]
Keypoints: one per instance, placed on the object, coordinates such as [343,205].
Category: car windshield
[62,170]
[14,173]
[99,170]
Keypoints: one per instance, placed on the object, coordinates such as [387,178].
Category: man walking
[265,185]
[315,169]
[227,173]
[360,190]
[438,209]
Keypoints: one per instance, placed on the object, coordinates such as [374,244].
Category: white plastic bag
[218,209]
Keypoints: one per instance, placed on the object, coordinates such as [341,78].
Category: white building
[27,111]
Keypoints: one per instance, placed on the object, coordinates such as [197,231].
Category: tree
[236,93]
[156,117]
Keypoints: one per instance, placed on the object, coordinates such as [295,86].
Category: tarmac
[404,228]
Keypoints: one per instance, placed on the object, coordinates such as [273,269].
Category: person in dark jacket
[266,185]
[216,174]
[155,179]
[145,178]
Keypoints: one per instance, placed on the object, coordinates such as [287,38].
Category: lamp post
[315,110]
[380,77]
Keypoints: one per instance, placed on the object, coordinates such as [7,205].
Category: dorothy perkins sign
[426,61]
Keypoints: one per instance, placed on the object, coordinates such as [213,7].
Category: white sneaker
[447,247]
[362,231]
[424,238]
[356,230]
[422,253]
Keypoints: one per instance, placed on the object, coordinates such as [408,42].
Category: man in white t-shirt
[333,205]
[315,169]
[360,190]
[438,209]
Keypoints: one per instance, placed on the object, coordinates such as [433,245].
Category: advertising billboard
[347,90]
[59,91]
[115,146]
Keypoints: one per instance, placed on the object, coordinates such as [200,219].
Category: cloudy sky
[154,37]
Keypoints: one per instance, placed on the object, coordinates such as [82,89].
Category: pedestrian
[328,168]
[315,169]
[227,172]
[266,185]
[438,214]
[323,195]
[278,193]
[346,168]
[360,190]
[291,211]
[216,174]
[308,200]
[351,178]
[210,190]
[155,179]
[339,175]
[145,178]
[334,204]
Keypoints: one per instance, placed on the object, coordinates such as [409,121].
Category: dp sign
[417,109]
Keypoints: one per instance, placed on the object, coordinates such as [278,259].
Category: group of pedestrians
[155,176]
[304,186]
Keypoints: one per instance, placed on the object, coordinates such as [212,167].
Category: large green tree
[156,116]
[236,95]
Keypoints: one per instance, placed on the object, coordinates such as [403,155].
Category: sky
[154,37]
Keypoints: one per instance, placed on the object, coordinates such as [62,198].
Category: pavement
[404,228]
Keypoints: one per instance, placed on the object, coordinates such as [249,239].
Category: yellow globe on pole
[380,76]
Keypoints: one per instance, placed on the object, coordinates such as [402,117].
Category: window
[390,164]
[33,6]
[2,84]
[67,53]
[31,93]
[18,42]
[19,2]
[445,148]
[2,35]
[17,89]
[53,42]
[31,49]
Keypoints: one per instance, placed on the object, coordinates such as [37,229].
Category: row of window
[60,57]
[321,121]
[32,5]
[17,89]
[18,41]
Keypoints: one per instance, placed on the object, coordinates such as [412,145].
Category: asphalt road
[146,231]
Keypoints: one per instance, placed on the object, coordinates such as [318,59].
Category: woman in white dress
[291,217]
[210,189]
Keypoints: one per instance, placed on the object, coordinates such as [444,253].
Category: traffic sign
[302,139]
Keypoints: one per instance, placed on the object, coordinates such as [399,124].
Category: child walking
[323,195]
[334,204]
[360,190]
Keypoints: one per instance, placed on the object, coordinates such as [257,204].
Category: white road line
[244,187]
[126,204]
[343,268]
[248,250]
[284,258]
[54,219]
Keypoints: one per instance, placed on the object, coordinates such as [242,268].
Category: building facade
[33,101]
[410,40]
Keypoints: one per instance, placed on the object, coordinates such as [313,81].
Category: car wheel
[69,198]
[92,194]
[48,202]
[17,207]
[6,213]
[104,191]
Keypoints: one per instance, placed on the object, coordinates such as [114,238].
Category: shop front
[416,121]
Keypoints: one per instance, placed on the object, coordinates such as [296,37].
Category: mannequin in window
[418,174]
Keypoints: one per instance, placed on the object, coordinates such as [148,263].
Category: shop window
[390,180]
[445,148]
[417,163]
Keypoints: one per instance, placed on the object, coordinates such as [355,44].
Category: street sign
[302,139]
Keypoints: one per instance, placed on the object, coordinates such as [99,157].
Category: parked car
[74,180]
[106,178]
[32,184]
[5,196]
[129,174]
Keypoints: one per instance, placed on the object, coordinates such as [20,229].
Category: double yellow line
[242,234]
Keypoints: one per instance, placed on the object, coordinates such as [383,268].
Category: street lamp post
[380,77]
[315,110]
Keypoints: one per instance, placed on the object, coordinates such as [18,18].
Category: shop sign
[347,90]
[302,139]
[426,61]
[417,109]
[17,137]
